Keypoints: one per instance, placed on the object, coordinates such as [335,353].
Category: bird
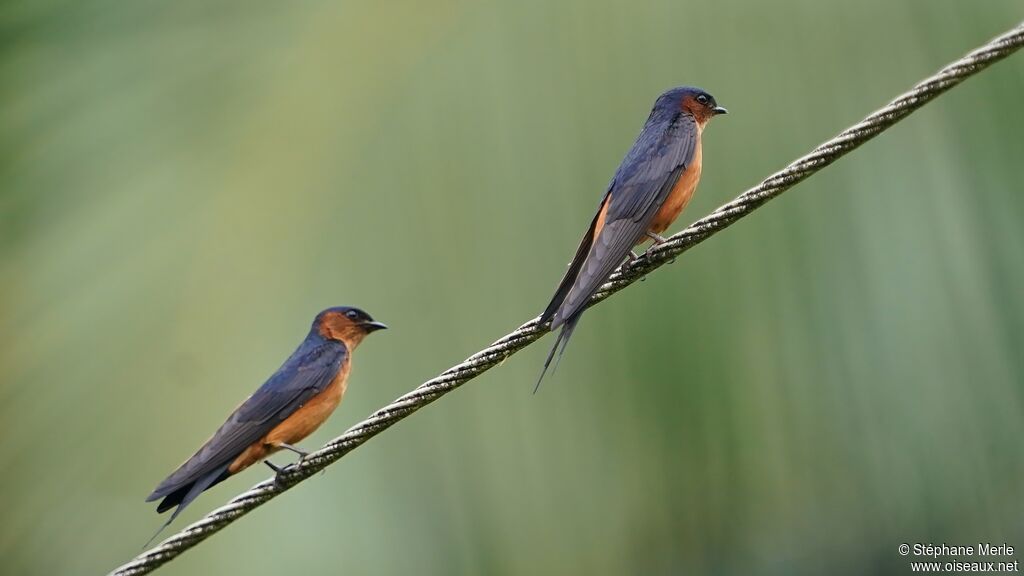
[649,190]
[287,408]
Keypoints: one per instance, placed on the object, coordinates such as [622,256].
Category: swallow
[650,189]
[287,408]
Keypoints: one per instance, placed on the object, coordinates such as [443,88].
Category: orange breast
[299,425]
[680,195]
[599,225]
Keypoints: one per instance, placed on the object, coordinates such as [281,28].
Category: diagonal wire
[828,152]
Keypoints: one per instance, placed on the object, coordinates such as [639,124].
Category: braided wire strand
[772,186]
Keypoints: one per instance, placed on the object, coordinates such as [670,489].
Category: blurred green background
[184,185]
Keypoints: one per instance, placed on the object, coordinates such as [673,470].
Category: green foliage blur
[184,185]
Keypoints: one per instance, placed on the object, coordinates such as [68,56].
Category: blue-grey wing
[306,373]
[641,185]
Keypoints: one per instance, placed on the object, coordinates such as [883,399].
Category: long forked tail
[186,494]
[563,339]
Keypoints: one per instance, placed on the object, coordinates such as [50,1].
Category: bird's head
[693,101]
[346,324]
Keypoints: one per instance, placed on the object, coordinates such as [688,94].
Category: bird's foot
[277,469]
[655,242]
[628,260]
[657,239]
[302,453]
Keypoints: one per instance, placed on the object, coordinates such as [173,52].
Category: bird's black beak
[373,326]
[718,110]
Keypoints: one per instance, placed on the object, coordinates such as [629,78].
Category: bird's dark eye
[352,315]
[702,98]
